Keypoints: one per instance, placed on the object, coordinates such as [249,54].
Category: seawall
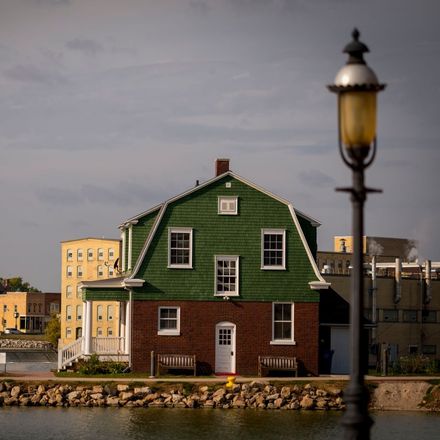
[392,395]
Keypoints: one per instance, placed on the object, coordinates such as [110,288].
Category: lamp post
[16,315]
[357,86]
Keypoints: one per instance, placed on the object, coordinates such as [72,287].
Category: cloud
[316,178]
[115,194]
[86,46]
[200,7]
[53,2]
[59,196]
[28,73]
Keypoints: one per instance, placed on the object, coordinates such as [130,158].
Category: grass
[100,376]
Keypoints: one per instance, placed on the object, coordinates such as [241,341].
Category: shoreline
[323,393]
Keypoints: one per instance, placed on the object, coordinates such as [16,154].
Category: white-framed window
[99,312]
[168,321]
[180,248]
[282,323]
[68,332]
[68,313]
[226,275]
[69,271]
[90,254]
[78,291]
[273,249]
[79,309]
[100,254]
[111,271]
[54,308]
[100,271]
[109,331]
[79,271]
[79,255]
[228,205]
[69,255]
[110,313]
[69,291]
[111,254]
[99,331]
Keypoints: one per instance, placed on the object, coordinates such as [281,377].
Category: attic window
[228,205]
[180,248]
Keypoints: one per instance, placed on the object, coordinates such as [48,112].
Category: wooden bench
[279,363]
[176,362]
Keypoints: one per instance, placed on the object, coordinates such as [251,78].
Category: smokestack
[428,295]
[398,280]
[373,298]
[221,166]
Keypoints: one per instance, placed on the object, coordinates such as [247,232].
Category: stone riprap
[248,395]
[24,344]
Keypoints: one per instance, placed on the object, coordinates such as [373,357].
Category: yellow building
[403,248]
[27,311]
[87,259]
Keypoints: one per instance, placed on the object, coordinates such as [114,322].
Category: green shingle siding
[105,294]
[215,234]
[140,234]
[310,234]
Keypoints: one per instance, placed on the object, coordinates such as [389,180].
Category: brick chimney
[221,166]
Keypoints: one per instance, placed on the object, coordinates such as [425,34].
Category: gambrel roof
[319,283]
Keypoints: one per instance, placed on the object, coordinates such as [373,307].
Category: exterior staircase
[107,348]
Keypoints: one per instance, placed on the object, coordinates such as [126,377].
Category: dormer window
[228,205]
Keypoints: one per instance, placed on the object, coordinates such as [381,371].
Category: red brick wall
[253,322]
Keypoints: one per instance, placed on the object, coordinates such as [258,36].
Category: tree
[53,330]
[16,284]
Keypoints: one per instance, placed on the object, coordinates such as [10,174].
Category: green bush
[94,366]
[415,364]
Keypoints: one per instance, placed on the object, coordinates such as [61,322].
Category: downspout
[398,281]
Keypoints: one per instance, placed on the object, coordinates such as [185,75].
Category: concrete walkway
[44,376]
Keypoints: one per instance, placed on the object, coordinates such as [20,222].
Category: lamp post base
[356,421]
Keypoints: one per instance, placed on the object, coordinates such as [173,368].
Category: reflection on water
[18,423]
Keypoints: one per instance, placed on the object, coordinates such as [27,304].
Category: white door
[225,348]
[340,342]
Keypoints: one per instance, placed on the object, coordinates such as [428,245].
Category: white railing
[100,345]
[69,353]
[108,345]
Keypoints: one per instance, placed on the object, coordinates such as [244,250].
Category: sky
[109,107]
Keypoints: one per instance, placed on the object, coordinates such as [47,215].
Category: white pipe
[398,281]
[373,297]
[428,293]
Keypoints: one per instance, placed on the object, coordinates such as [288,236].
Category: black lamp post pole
[356,420]
[357,86]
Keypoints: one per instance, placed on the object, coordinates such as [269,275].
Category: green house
[224,272]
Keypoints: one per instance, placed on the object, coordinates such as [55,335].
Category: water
[20,423]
